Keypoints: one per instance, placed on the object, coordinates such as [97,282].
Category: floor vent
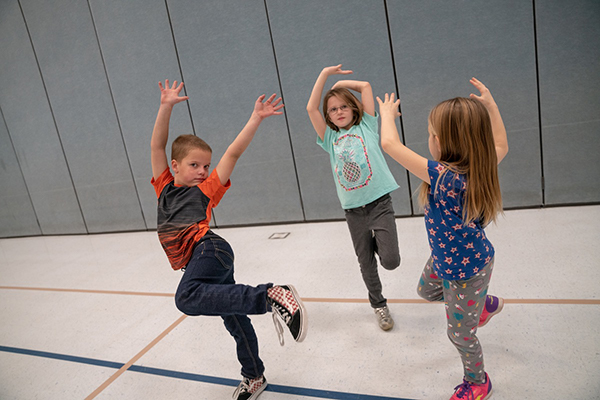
[279,235]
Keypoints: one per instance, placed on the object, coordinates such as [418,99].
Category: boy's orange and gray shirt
[183,214]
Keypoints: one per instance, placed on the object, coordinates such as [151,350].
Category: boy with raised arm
[185,200]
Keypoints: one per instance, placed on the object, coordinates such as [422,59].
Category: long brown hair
[352,102]
[467,147]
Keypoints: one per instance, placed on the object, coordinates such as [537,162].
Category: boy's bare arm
[169,96]
[243,139]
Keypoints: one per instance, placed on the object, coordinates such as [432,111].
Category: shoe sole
[389,328]
[303,315]
[490,315]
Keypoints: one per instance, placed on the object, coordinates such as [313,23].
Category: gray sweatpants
[373,230]
[464,300]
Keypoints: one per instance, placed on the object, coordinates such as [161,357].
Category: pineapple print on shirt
[353,169]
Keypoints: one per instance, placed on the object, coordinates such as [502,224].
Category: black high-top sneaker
[250,389]
[286,304]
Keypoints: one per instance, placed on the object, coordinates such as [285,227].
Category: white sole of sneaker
[303,313]
[255,394]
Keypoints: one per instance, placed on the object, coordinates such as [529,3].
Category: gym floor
[93,316]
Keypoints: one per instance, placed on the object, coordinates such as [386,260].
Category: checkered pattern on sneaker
[286,304]
[284,296]
[250,389]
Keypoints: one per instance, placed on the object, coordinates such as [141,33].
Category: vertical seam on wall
[12,145]
[389,30]
[112,98]
[53,119]
[214,217]
[285,112]
[539,101]
[179,64]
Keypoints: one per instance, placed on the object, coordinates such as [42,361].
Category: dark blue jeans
[208,288]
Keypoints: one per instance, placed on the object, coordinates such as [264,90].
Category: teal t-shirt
[360,171]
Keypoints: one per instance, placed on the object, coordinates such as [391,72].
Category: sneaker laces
[284,315]
[381,312]
[243,387]
[464,391]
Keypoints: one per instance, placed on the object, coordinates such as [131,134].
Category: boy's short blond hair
[184,144]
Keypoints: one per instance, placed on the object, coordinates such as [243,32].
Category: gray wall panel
[436,55]
[137,45]
[29,121]
[571,158]
[79,99]
[306,41]
[65,42]
[17,216]
[227,60]
[569,50]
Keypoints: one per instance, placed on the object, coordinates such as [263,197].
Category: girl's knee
[391,262]
[422,293]
[454,337]
[429,296]
[461,339]
[428,293]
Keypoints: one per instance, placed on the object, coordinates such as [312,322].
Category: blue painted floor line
[300,391]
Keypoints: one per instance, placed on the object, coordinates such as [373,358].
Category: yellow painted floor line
[89,291]
[135,358]
[309,299]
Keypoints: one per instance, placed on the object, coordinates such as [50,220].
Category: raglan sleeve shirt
[358,166]
[183,214]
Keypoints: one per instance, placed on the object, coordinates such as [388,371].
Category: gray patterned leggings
[464,300]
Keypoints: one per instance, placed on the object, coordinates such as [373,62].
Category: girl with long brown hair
[347,130]
[461,195]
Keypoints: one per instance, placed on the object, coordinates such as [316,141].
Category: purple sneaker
[493,305]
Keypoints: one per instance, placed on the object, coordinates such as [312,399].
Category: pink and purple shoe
[472,391]
[493,305]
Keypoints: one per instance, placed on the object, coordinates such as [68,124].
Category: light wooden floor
[93,317]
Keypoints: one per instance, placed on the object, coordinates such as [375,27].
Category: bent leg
[383,224]
[364,247]
[208,288]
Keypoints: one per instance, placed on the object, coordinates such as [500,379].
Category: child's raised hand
[267,108]
[389,107]
[170,95]
[336,70]
[486,96]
